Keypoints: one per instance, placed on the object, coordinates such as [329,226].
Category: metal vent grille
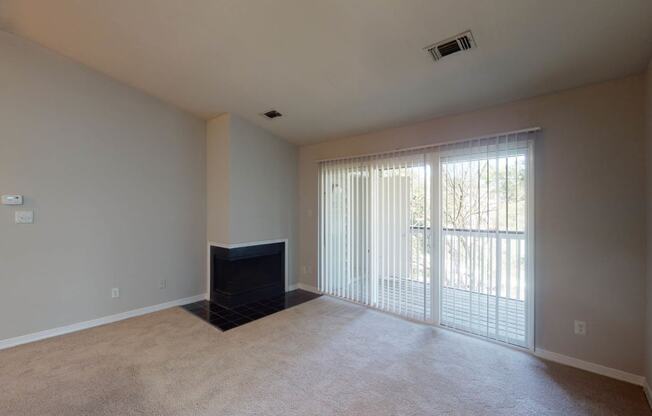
[272,114]
[462,42]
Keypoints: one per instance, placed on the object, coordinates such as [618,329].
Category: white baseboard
[544,354]
[541,353]
[308,288]
[49,333]
[592,367]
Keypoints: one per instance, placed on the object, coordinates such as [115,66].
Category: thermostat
[12,200]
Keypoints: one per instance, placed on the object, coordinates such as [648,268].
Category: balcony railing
[483,280]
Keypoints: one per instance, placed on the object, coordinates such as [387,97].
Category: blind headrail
[432,146]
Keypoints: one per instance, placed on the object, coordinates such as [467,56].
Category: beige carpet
[324,357]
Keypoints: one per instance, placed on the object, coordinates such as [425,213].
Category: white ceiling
[340,67]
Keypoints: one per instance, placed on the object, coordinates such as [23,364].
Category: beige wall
[589,165]
[263,184]
[218,162]
[251,185]
[117,183]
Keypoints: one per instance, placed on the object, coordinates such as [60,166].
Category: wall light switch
[12,200]
[24,217]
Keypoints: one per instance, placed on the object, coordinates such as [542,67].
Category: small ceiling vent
[462,42]
[272,114]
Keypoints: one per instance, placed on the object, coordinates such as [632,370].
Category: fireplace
[247,274]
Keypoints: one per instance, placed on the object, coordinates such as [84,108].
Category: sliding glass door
[374,228]
[485,247]
[440,234]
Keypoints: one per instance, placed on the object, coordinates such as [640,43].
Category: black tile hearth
[228,318]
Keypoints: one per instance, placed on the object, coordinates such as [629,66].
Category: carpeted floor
[324,357]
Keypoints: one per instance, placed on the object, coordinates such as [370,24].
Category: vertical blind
[440,234]
[373,230]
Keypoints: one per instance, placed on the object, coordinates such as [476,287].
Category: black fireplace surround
[247,274]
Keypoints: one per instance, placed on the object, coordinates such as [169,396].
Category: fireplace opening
[247,274]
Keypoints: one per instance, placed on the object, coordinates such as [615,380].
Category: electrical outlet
[24,217]
[580,328]
[115,292]
[304,270]
[162,284]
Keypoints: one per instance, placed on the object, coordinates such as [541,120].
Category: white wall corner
[62,330]
[308,288]
[592,367]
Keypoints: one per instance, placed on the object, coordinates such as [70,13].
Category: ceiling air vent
[462,42]
[272,114]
